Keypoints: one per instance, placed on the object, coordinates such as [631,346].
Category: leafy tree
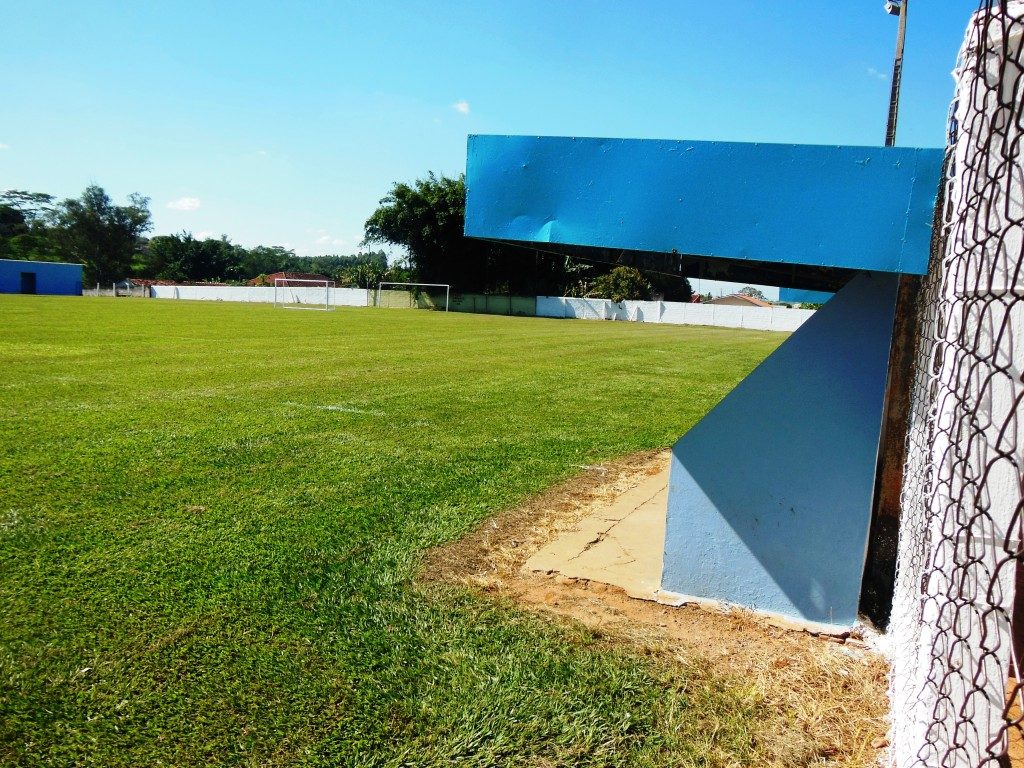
[19,210]
[108,240]
[670,287]
[367,275]
[212,259]
[337,266]
[160,257]
[36,244]
[622,284]
[400,272]
[183,257]
[265,260]
[102,236]
[12,222]
[754,293]
[24,230]
[427,218]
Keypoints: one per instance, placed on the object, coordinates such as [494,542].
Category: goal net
[413,296]
[293,293]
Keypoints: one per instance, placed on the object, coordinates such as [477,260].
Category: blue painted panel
[51,277]
[800,296]
[855,207]
[770,494]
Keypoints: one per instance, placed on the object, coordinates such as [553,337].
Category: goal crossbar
[447,290]
[300,284]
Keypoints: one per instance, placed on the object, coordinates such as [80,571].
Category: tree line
[424,218]
[88,230]
[183,258]
[111,242]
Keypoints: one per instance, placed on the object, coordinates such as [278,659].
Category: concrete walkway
[621,545]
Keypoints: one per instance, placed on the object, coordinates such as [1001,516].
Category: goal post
[295,293]
[421,295]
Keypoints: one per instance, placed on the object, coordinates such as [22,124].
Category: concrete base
[620,545]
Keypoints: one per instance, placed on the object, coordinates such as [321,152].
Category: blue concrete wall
[770,494]
[864,208]
[51,277]
[799,296]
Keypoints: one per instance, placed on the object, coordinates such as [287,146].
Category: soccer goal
[293,293]
[414,295]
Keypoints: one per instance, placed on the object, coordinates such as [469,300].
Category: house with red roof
[269,279]
[739,300]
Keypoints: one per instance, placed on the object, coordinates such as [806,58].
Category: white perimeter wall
[677,313]
[341,297]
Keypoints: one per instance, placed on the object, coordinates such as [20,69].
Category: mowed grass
[211,518]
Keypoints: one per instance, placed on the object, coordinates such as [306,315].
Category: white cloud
[326,239]
[262,152]
[461,106]
[4,146]
[877,74]
[204,235]
[184,204]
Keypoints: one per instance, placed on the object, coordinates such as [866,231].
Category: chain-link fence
[957,620]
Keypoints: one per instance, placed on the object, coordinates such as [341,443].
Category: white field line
[9,520]
[338,408]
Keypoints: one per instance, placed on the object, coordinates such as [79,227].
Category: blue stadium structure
[771,494]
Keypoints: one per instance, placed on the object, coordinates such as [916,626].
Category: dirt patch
[824,698]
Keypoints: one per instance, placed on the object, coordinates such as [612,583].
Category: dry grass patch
[821,700]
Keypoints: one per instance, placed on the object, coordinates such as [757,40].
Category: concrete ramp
[620,545]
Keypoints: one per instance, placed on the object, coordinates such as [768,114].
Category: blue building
[48,277]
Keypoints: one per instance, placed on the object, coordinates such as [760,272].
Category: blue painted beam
[799,296]
[864,208]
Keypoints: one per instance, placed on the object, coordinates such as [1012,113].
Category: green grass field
[211,516]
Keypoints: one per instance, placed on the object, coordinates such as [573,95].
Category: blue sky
[284,124]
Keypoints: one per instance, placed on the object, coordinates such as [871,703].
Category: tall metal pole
[897,77]
[880,564]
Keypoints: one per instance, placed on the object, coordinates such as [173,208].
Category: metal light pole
[880,563]
[894,7]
